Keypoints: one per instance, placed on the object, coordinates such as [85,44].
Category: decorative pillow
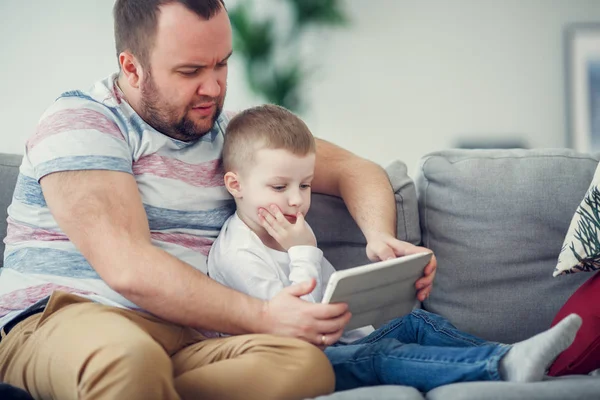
[581,247]
[583,356]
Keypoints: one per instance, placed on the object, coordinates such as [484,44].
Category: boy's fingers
[278,215]
[265,224]
[275,223]
[266,215]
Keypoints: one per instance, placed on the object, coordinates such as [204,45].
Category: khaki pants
[77,349]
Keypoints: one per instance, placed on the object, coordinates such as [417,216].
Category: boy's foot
[527,361]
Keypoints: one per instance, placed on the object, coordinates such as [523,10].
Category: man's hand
[288,315]
[384,247]
[287,234]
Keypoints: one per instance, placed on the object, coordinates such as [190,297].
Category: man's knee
[313,370]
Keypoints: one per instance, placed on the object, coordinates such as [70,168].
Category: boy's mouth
[290,218]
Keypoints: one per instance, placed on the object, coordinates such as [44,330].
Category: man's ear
[131,69]
[232,184]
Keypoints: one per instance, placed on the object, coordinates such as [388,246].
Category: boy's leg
[424,328]
[383,360]
[252,367]
[391,362]
[77,349]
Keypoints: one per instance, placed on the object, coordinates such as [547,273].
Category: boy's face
[276,177]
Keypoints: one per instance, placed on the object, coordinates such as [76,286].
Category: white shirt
[240,260]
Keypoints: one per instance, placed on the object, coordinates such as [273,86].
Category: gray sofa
[496,220]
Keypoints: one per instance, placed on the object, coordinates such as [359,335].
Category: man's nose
[210,86]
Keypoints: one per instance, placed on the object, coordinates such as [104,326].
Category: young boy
[269,160]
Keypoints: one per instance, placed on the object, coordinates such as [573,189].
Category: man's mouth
[204,109]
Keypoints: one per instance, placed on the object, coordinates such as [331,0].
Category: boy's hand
[287,234]
[288,315]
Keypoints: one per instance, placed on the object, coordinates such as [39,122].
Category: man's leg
[78,349]
[252,367]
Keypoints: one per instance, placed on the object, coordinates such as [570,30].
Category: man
[118,201]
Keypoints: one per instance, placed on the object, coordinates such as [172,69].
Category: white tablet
[378,292]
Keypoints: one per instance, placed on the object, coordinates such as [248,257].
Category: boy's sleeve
[305,263]
[78,134]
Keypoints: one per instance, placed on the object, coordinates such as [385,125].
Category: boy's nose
[295,199]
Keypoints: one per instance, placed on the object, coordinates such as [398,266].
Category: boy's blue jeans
[422,350]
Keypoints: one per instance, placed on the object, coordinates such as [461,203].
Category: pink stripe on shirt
[74,120]
[23,298]
[207,174]
[17,232]
[196,243]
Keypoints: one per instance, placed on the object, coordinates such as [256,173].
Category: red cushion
[583,356]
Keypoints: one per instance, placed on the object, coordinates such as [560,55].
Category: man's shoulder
[101,101]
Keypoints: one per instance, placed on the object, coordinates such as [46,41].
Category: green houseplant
[270,47]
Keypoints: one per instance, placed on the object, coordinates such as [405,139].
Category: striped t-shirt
[180,183]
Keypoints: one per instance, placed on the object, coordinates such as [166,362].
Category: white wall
[407,76]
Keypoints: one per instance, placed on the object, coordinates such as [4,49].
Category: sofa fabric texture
[9,170]
[496,220]
[339,237]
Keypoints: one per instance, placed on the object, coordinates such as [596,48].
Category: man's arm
[102,214]
[365,188]
[341,173]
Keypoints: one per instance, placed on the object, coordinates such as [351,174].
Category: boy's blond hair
[267,126]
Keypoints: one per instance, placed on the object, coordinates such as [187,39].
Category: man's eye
[221,65]
[189,73]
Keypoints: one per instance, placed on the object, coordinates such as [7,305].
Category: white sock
[527,361]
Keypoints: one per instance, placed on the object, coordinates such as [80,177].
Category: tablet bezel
[410,270]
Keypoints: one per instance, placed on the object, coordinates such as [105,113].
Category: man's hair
[267,126]
[136,22]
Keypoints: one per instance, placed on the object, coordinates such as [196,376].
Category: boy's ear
[232,184]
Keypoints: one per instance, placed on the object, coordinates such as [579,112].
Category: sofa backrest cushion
[338,235]
[496,220]
[9,170]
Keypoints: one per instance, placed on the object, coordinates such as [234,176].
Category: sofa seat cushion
[583,356]
[496,220]
[571,388]
[384,392]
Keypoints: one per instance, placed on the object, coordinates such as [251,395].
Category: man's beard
[163,116]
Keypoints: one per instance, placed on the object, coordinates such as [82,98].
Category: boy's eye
[278,188]
[305,186]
